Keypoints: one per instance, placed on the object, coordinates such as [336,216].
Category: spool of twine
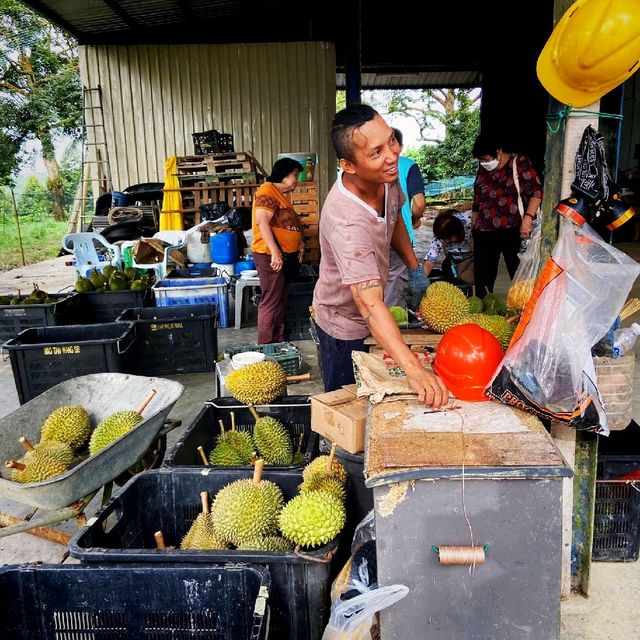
[461,554]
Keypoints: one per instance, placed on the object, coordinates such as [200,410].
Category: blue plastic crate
[185,291]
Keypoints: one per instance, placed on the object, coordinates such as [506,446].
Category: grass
[40,239]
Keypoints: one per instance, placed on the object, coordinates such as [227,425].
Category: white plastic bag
[548,369]
[353,619]
[526,274]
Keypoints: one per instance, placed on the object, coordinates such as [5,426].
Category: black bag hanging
[592,173]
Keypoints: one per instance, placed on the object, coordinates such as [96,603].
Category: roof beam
[121,13]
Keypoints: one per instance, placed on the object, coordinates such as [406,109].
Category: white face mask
[489,166]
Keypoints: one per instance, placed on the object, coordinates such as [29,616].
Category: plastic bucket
[224,247]
[244,265]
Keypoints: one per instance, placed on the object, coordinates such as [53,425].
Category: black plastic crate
[169,500]
[212,142]
[297,320]
[43,357]
[106,306]
[181,339]
[60,602]
[293,411]
[17,318]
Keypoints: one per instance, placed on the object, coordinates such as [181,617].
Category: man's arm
[401,244]
[368,297]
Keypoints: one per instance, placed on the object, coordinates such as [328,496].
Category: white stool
[241,283]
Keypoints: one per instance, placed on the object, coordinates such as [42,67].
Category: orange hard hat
[466,359]
[594,48]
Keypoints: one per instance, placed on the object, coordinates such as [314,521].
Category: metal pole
[15,215]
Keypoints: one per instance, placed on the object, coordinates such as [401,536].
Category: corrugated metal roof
[417,80]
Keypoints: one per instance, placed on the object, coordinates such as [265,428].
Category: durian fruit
[69,424]
[272,440]
[117,282]
[97,279]
[247,509]
[400,315]
[50,449]
[318,482]
[494,305]
[267,543]
[36,469]
[108,271]
[84,285]
[298,456]
[476,305]
[257,383]
[117,425]
[326,467]
[312,518]
[495,325]
[239,440]
[202,534]
[16,299]
[224,454]
[112,428]
[443,306]
[520,293]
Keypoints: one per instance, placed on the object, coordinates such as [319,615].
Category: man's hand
[431,390]
[418,283]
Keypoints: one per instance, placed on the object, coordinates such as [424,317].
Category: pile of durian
[67,436]
[270,440]
[251,514]
[112,279]
[37,296]
[444,306]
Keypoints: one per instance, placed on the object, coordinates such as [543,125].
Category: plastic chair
[176,240]
[83,247]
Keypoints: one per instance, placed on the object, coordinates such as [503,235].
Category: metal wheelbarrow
[101,394]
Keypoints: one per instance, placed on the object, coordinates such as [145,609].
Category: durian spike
[12,464]
[159,538]
[257,470]
[202,456]
[233,420]
[26,444]
[148,398]
[221,429]
[332,453]
[204,499]
[254,413]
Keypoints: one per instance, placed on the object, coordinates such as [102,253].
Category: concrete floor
[615,587]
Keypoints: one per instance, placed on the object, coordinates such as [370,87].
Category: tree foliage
[448,121]
[40,92]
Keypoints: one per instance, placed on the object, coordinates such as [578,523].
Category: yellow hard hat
[594,47]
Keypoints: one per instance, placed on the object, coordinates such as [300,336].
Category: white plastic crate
[182,291]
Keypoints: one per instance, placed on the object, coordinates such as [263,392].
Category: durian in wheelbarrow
[36,469]
[48,449]
[112,428]
[69,424]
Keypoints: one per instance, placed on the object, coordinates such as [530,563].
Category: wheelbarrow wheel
[152,459]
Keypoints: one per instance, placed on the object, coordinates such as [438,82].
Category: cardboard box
[341,417]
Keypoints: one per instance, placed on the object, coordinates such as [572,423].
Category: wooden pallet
[209,179]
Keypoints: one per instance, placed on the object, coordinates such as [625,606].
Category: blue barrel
[244,265]
[224,247]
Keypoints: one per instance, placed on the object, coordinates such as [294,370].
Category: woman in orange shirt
[277,242]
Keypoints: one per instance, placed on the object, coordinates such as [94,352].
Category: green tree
[70,168]
[448,120]
[40,93]
[35,200]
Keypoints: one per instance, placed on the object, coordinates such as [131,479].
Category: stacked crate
[231,177]
[305,202]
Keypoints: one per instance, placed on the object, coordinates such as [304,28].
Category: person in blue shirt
[452,236]
[412,186]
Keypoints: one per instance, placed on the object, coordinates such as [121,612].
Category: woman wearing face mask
[498,225]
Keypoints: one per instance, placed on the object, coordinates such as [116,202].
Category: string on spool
[456,554]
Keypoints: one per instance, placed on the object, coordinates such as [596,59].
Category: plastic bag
[548,369]
[355,595]
[526,274]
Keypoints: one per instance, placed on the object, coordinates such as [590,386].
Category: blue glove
[418,283]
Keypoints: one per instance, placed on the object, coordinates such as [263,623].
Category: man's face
[376,153]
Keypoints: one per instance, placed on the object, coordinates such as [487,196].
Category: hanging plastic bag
[526,274]
[548,369]
[355,595]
